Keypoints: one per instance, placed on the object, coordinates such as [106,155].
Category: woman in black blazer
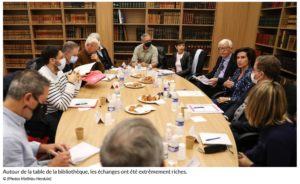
[181,60]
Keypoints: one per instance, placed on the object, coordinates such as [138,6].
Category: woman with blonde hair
[267,110]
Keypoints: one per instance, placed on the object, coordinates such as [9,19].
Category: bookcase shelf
[167,22]
[276,34]
[42,24]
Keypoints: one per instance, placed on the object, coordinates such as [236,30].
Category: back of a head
[132,143]
[27,81]
[69,46]
[47,53]
[95,35]
[270,65]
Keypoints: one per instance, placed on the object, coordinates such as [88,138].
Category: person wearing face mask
[266,68]
[181,60]
[26,92]
[63,87]
[145,53]
[89,54]
[70,50]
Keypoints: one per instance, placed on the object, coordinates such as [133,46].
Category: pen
[83,103]
[210,139]
[198,107]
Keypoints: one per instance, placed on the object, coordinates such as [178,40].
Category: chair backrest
[199,61]
[162,63]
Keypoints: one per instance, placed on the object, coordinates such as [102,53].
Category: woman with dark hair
[62,89]
[181,60]
[239,84]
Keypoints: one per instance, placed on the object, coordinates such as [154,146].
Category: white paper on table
[145,108]
[84,109]
[82,151]
[202,79]
[189,93]
[160,101]
[109,77]
[204,108]
[194,162]
[83,102]
[115,69]
[84,69]
[198,119]
[214,138]
[165,72]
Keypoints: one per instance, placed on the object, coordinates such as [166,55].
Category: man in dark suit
[223,69]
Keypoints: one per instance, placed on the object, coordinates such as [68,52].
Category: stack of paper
[109,77]
[204,108]
[83,103]
[82,151]
[84,69]
[202,79]
[185,93]
[215,138]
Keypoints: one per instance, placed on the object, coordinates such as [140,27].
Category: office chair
[199,60]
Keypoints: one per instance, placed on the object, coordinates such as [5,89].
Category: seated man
[223,69]
[132,143]
[27,91]
[89,54]
[70,50]
[145,53]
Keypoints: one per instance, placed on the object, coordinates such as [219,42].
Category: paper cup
[79,133]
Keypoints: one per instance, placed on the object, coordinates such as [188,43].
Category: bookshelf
[28,27]
[277,34]
[166,22]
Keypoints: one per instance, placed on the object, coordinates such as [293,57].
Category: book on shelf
[164,18]
[79,31]
[265,39]
[287,40]
[192,33]
[139,32]
[16,34]
[175,5]
[198,5]
[46,19]
[44,4]
[14,5]
[45,33]
[80,18]
[272,4]
[15,19]
[79,5]
[269,20]
[129,4]
[17,48]
[120,33]
[291,44]
[288,63]
[121,17]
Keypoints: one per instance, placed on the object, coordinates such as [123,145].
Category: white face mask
[62,64]
[73,59]
[252,78]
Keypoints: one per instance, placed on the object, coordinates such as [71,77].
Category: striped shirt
[61,91]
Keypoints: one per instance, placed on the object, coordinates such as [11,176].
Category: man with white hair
[223,69]
[89,54]
[145,53]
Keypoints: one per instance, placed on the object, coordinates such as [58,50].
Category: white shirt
[178,63]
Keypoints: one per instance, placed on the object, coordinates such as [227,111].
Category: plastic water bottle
[173,147]
[121,78]
[175,102]
[166,89]
[119,104]
[111,108]
[149,70]
[179,124]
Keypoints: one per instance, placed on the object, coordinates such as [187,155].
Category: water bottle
[179,124]
[149,70]
[173,147]
[175,102]
[166,89]
[119,105]
[121,78]
[110,111]
[167,138]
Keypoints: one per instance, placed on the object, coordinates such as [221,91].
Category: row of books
[287,40]
[164,18]
[192,47]
[289,21]
[288,63]
[196,34]
[129,4]
[291,4]
[79,32]
[79,5]
[165,5]
[16,34]
[16,60]
[120,33]
[164,33]
[15,19]
[47,19]
[272,4]
[45,33]
[8,5]
[192,18]
[39,48]
[124,48]
[207,5]
[118,16]
[139,32]
[45,4]
[266,39]
[80,18]
[17,48]
[269,20]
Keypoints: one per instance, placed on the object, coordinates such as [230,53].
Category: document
[202,79]
[198,119]
[214,138]
[109,77]
[185,93]
[82,151]
[165,72]
[84,69]
[83,103]
[204,108]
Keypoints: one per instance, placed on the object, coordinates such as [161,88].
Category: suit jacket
[186,64]
[85,58]
[228,72]
[201,62]
[105,59]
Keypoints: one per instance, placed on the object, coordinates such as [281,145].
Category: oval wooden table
[94,133]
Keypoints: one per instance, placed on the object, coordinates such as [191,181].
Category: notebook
[82,151]
[83,103]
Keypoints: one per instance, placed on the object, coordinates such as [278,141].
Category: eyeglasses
[223,48]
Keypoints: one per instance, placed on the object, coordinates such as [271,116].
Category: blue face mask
[73,59]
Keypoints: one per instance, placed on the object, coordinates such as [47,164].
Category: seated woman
[102,53]
[267,110]
[181,61]
[240,83]
[62,89]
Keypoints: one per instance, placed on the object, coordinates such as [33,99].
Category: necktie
[220,68]
[239,111]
